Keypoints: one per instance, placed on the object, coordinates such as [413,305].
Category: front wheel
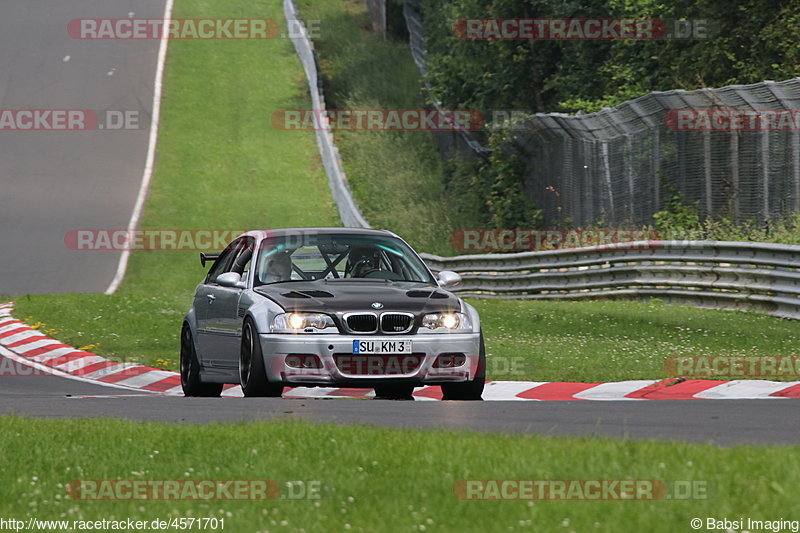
[252,375]
[470,390]
[190,369]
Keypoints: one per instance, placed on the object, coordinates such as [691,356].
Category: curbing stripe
[32,346]
[60,356]
[745,388]
[675,389]
[614,391]
[141,381]
[12,335]
[33,343]
[45,353]
[558,391]
[75,366]
[503,390]
[101,370]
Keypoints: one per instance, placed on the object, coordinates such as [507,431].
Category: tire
[394,392]
[190,369]
[252,375]
[470,390]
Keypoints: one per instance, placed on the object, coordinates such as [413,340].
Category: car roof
[317,230]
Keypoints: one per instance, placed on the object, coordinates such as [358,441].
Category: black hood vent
[426,294]
[307,294]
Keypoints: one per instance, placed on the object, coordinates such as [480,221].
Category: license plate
[379,346]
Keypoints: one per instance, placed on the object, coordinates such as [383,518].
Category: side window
[241,265]
[223,262]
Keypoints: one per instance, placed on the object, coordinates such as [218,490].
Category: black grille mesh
[395,323]
[362,323]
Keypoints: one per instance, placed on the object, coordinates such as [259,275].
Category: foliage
[739,41]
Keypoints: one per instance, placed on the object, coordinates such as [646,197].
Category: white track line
[151,152]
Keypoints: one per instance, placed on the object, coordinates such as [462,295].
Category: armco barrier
[754,276]
[348,209]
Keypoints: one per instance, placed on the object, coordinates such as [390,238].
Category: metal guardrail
[760,277]
[349,211]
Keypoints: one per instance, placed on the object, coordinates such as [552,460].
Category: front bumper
[330,348]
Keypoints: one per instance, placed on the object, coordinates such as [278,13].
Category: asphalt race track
[54,181]
[724,422]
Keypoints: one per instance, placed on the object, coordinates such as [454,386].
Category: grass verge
[614,341]
[366,482]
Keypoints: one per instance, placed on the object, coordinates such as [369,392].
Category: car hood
[342,296]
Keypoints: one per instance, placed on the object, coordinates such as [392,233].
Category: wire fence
[730,152]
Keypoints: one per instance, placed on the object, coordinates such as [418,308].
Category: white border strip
[151,153]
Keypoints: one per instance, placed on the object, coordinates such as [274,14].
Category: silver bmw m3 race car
[331,307]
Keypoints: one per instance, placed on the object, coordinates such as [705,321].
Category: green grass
[220,165]
[397,178]
[611,341]
[379,480]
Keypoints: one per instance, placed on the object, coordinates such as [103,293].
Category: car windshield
[308,257]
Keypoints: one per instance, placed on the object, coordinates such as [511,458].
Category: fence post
[765,173]
[607,175]
[734,160]
[795,140]
[707,171]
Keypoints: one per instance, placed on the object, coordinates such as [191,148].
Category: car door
[205,300]
[224,317]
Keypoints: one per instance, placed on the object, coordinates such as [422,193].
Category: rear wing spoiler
[207,257]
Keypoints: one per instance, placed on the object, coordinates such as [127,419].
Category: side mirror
[448,279]
[230,279]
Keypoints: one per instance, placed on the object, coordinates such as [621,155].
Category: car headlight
[303,323]
[447,322]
